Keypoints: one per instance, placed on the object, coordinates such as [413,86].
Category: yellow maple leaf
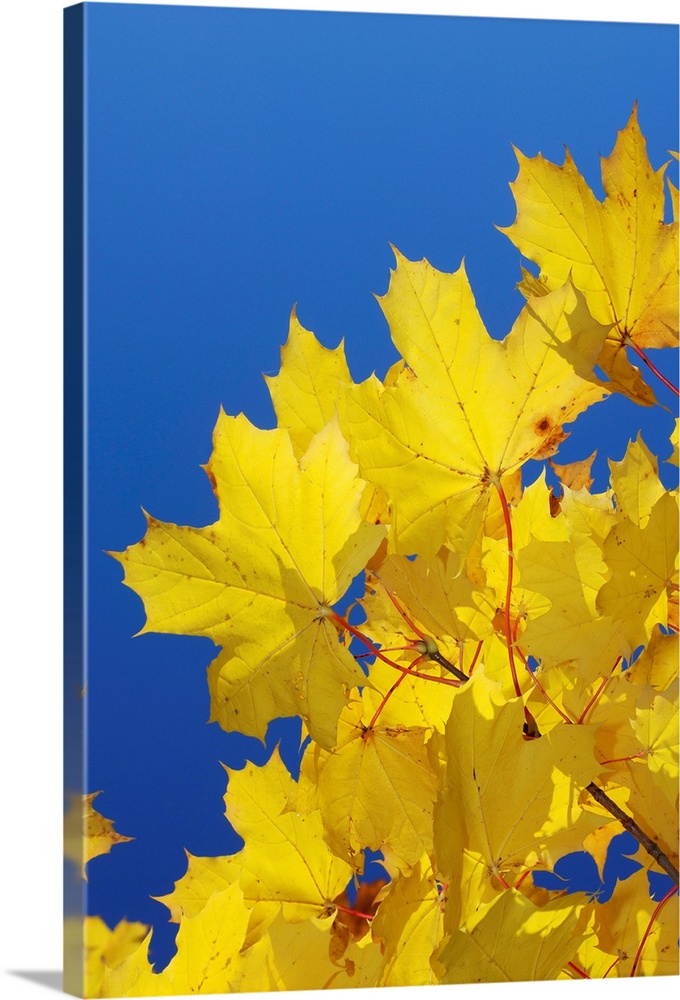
[512,802]
[642,562]
[406,599]
[87,833]
[512,940]
[202,879]
[300,957]
[656,728]
[409,924]
[286,863]
[532,522]
[621,924]
[92,947]
[433,441]
[389,762]
[260,581]
[658,663]
[308,386]
[620,253]
[565,565]
[635,481]
[209,956]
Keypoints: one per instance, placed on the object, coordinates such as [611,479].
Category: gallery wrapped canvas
[371,662]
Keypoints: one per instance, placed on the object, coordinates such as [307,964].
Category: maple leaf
[433,442]
[208,959]
[388,761]
[635,481]
[512,940]
[620,253]
[656,728]
[300,957]
[87,833]
[620,925]
[260,581]
[576,475]
[202,879]
[308,386]
[512,802]
[97,948]
[409,925]
[286,863]
[642,563]
[440,602]
[658,663]
[565,565]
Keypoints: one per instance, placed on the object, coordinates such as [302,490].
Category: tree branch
[629,823]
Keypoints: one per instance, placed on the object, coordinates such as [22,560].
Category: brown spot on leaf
[555,504]
[211,476]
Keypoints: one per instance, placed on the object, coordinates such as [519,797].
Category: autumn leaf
[286,863]
[621,924]
[391,762]
[299,957]
[658,663]
[101,948]
[208,959]
[512,802]
[576,475]
[87,833]
[642,562]
[261,580]
[635,481]
[512,940]
[432,441]
[409,925]
[619,252]
[202,879]
[308,386]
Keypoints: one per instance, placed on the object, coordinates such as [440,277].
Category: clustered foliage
[504,693]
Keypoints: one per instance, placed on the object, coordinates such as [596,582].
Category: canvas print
[371,500]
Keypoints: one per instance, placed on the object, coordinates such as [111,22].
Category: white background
[30,519]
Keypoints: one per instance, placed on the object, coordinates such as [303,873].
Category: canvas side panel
[74,493]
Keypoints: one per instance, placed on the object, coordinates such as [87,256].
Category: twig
[629,824]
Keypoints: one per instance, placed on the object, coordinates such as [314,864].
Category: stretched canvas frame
[194,223]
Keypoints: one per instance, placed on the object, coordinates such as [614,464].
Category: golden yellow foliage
[620,253]
[87,833]
[505,691]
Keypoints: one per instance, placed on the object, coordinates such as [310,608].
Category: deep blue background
[239,161]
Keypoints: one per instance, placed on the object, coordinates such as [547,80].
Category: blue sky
[241,161]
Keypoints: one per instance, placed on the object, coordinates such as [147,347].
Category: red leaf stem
[394,687]
[354,913]
[376,652]
[657,911]
[597,694]
[508,589]
[584,975]
[652,367]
